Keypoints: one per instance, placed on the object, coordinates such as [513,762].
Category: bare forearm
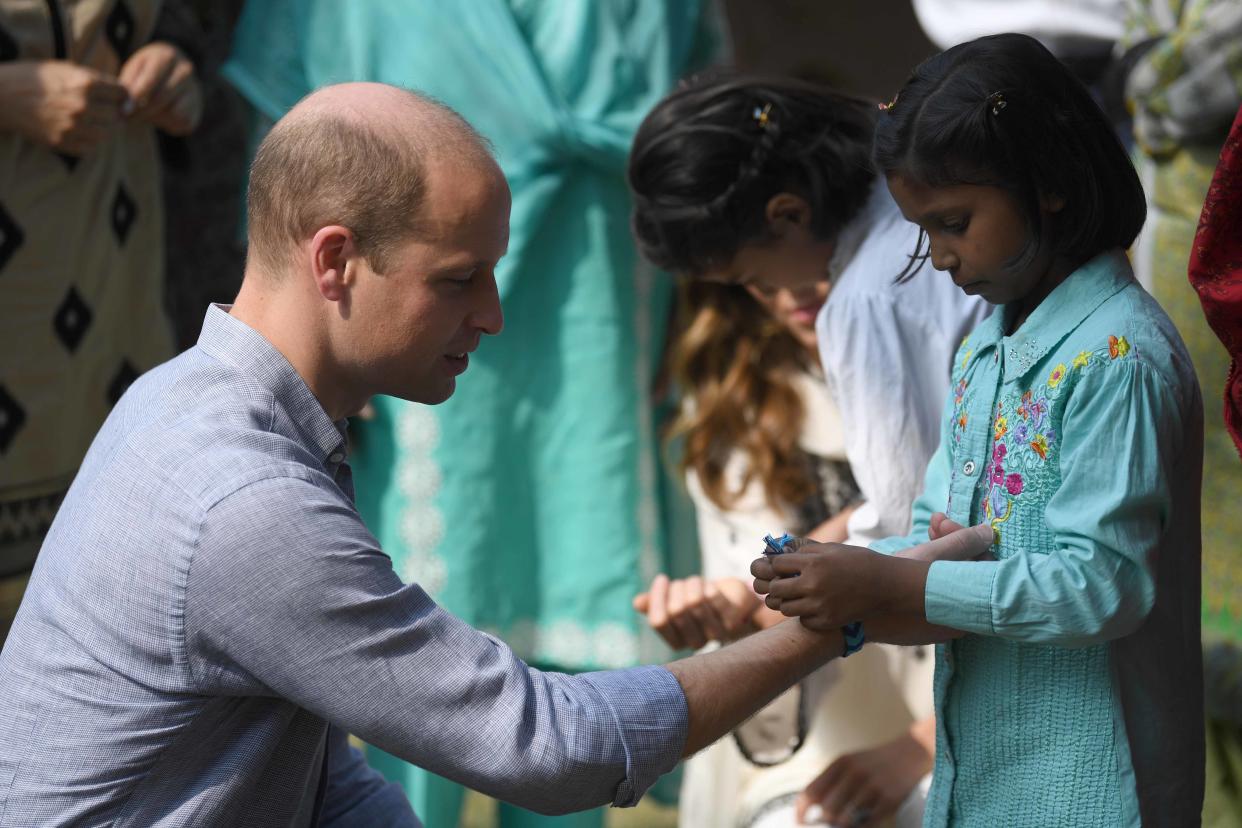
[907,630]
[725,687]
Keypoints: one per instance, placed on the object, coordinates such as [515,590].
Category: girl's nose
[942,258]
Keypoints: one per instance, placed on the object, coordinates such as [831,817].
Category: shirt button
[969,468]
[336,457]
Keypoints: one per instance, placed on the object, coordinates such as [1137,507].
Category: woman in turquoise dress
[529,503]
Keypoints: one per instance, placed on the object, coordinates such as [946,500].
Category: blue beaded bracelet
[854,638]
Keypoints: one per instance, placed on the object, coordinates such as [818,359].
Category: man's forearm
[725,687]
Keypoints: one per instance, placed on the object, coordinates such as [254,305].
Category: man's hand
[830,585]
[67,107]
[690,612]
[162,88]
[867,787]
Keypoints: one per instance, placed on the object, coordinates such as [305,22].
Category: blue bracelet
[854,638]
[776,546]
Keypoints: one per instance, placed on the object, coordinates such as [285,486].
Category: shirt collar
[1061,312]
[233,342]
[855,231]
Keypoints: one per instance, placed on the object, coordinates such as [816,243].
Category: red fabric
[1216,268]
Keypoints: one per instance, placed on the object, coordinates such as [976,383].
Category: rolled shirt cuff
[649,709]
[958,594]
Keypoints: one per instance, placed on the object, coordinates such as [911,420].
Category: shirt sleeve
[935,496]
[356,793]
[888,372]
[1121,437]
[290,595]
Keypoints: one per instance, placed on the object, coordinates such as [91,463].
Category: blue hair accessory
[776,546]
[854,638]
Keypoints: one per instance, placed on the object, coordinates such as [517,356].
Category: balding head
[355,155]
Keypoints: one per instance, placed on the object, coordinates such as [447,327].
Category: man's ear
[785,211]
[334,258]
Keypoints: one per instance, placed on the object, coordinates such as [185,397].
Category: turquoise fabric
[532,503]
[1080,439]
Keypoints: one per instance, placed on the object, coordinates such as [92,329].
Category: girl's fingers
[786,588]
[821,787]
[657,613]
[791,563]
[642,602]
[862,808]
[837,795]
[687,629]
[799,607]
[961,545]
[761,569]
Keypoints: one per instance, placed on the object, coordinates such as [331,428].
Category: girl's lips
[806,314]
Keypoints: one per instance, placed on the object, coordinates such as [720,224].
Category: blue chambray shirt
[1077,697]
[209,616]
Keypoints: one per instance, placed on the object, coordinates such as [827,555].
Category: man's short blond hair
[322,168]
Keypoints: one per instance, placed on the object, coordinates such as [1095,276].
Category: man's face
[420,320]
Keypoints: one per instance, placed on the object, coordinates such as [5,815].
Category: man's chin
[430,396]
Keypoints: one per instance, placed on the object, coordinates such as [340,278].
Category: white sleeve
[888,362]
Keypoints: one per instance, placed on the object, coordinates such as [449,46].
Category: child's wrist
[900,585]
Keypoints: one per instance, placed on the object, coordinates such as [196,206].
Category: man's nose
[487,315]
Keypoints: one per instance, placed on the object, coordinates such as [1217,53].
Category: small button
[336,457]
[969,468]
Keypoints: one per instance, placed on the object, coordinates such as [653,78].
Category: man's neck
[280,317]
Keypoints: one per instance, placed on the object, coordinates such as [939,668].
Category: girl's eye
[955,225]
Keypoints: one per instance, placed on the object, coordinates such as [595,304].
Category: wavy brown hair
[736,364]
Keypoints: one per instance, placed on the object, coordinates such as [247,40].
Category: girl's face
[786,274]
[974,231]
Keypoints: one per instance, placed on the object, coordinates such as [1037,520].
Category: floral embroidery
[966,358]
[1058,374]
[1023,435]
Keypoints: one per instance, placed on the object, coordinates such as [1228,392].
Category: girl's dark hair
[1003,111]
[708,158]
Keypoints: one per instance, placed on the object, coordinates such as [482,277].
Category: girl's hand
[866,788]
[830,585]
[162,88]
[69,108]
[688,613]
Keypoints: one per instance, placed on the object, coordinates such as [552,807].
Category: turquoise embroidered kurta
[1075,699]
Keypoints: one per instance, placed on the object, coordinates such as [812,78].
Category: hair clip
[761,115]
[885,107]
[997,102]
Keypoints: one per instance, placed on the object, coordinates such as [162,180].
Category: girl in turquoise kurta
[1075,428]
